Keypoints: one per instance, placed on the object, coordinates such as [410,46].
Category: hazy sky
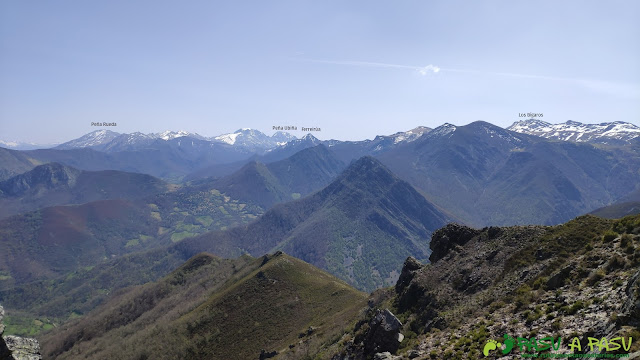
[353,68]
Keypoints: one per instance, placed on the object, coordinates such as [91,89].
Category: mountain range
[179,156]
[85,223]
[111,141]
[360,227]
[485,175]
[612,133]
[478,174]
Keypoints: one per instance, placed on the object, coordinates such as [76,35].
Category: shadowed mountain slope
[55,184]
[13,162]
[266,185]
[253,183]
[308,170]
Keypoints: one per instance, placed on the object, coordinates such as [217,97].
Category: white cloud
[429,69]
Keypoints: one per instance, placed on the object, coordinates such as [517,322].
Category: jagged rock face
[411,265]
[449,237]
[630,314]
[17,348]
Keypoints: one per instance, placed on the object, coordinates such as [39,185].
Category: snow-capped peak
[617,132]
[9,144]
[168,134]
[92,139]
[411,135]
[443,129]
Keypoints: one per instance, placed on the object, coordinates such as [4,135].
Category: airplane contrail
[618,89]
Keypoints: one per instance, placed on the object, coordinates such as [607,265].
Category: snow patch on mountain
[9,144]
[92,139]
[443,130]
[228,138]
[170,135]
[411,135]
[19,145]
[617,132]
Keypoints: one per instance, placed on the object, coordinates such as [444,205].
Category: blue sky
[353,68]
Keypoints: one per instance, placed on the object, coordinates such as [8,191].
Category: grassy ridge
[215,309]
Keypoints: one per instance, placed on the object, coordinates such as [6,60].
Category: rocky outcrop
[17,348]
[558,279]
[630,314]
[384,333]
[411,265]
[450,237]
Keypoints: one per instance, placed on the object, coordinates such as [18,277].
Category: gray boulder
[384,333]
[385,356]
[17,348]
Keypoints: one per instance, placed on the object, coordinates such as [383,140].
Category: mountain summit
[93,139]
[360,227]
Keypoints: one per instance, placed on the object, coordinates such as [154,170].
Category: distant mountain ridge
[539,180]
[251,138]
[611,133]
[21,145]
[111,141]
[284,180]
[615,133]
